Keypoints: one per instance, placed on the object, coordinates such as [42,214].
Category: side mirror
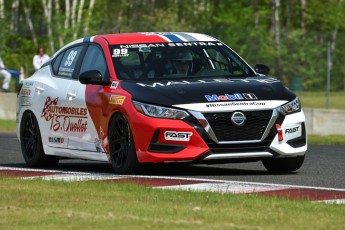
[93,77]
[262,69]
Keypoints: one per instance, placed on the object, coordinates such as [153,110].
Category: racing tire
[283,165]
[121,146]
[31,144]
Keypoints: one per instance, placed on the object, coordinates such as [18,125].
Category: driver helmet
[180,60]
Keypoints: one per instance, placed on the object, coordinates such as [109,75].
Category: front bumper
[157,147]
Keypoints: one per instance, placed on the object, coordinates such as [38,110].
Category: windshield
[177,61]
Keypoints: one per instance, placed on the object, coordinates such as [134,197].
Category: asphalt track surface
[324,166]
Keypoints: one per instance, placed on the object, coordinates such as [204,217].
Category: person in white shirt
[40,58]
[6,75]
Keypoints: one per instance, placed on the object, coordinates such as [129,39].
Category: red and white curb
[316,194]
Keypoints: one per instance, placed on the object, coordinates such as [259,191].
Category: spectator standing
[6,75]
[40,58]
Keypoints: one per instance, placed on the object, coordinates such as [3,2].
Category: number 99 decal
[120,53]
[70,58]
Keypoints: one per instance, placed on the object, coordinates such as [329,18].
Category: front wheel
[283,165]
[31,144]
[121,146]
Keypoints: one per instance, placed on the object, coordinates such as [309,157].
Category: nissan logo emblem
[238,118]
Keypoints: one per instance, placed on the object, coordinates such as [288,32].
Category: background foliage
[291,36]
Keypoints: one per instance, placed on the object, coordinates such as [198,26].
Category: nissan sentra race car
[157,97]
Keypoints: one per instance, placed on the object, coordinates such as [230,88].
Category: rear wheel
[283,165]
[31,144]
[121,146]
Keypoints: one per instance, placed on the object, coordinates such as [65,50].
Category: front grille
[253,128]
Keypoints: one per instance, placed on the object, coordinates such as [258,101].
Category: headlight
[159,112]
[290,107]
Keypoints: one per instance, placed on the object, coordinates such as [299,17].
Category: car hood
[199,91]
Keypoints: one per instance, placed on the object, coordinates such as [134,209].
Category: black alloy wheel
[121,146]
[31,143]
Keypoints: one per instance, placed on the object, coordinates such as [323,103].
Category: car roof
[143,37]
[155,37]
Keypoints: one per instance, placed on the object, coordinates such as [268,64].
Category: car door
[82,133]
[56,112]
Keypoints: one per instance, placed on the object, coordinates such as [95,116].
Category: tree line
[301,40]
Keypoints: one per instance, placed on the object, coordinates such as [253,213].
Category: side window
[69,62]
[94,60]
[57,62]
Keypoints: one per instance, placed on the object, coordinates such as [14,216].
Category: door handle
[39,89]
[71,95]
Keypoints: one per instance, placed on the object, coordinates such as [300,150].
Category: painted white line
[230,187]
[335,201]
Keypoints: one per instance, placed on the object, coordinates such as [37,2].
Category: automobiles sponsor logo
[238,118]
[177,136]
[169,83]
[116,99]
[63,118]
[230,97]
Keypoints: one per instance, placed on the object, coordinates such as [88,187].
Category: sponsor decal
[24,100]
[230,97]
[177,136]
[114,84]
[25,92]
[28,83]
[170,44]
[116,99]
[169,83]
[292,130]
[120,53]
[71,57]
[232,104]
[56,140]
[62,118]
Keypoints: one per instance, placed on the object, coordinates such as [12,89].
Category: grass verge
[7,125]
[37,204]
[318,100]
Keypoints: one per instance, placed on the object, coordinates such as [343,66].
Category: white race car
[157,97]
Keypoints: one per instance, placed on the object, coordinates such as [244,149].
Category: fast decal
[292,131]
[169,83]
[230,97]
[56,140]
[61,118]
[114,84]
[116,99]
[177,136]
